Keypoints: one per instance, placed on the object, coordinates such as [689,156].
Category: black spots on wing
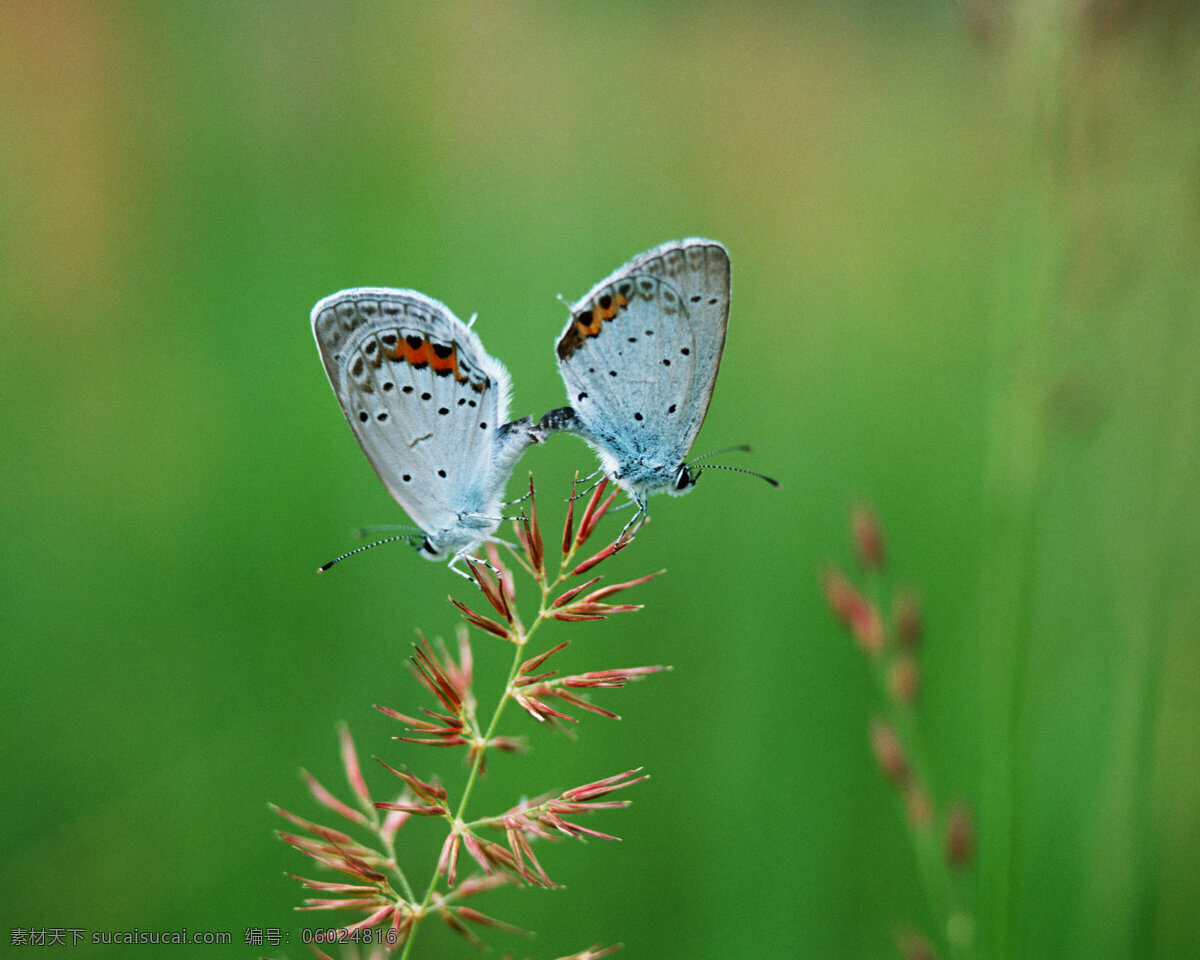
[696,298]
[671,408]
[388,386]
[712,301]
[591,369]
[381,416]
[462,401]
[605,301]
[582,396]
[426,396]
[632,339]
[356,368]
[638,416]
[406,478]
[482,426]
[470,403]
[442,411]
[407,389]
[363,416]
[685,351]
[390,339]
[625,289]
[649,333]
[666,362]
[612,373]
[443,351]
[370,348]
[414,341]
[442,474]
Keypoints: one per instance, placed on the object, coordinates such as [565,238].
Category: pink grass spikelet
[904,680]
[327,799]
[594,952]
[960,836]
[479,620]
[592,514]
[868,537]
[353,771]
[597,558]
[889,755]
[913,946]
[492,590]
[569,523]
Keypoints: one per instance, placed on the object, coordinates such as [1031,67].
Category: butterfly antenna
[761,476]
[383,528]
[740,448]
[377,543]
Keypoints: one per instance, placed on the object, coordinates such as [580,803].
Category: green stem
[519,643]
[942,894]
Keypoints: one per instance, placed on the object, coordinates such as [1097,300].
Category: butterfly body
[639,358]
[428,406]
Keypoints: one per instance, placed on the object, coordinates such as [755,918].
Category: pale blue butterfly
[639,357]
[429,407]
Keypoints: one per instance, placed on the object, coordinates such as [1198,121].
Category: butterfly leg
[590,487]
[521,499]
[639,515]
[480,560]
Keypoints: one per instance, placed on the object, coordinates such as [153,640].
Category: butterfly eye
[684,479]
[428,547]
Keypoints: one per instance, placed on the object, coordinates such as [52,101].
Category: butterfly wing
[427,403]
[639,357]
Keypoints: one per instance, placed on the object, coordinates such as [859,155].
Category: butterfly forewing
[422,396]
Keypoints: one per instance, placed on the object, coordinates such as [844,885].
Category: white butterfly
[429,408]
[639,357]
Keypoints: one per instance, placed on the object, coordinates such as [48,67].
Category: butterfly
[429,407]
[639,358]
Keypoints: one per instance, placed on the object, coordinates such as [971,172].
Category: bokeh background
[966,248]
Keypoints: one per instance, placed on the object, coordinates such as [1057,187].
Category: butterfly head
[685,480]
[426,548]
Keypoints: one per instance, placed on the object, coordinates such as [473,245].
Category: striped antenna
[378,543]
[714,466]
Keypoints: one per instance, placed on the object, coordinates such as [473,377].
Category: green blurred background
[966,249]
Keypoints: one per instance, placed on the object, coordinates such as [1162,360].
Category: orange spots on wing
[589,324]
[590,321]
[609,305]
[421,352]
[419,356]
[449,362]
